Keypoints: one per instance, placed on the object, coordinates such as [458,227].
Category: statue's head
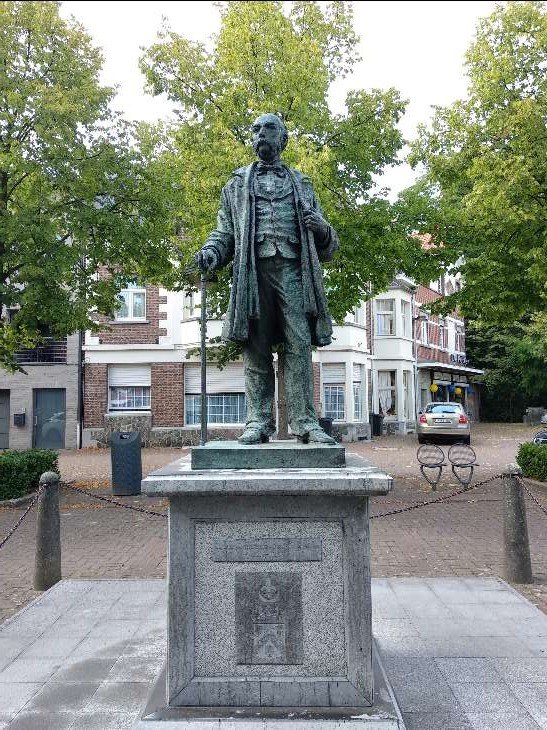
[270,136]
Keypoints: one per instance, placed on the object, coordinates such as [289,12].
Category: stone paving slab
[86,654]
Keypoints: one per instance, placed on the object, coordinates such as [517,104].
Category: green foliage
[514,373]
[532,459]
[266,58]
[485,158]
[80,189]
[20,471]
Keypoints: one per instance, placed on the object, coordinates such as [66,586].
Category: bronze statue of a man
[270,224]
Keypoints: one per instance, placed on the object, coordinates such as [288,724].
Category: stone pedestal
[269,586]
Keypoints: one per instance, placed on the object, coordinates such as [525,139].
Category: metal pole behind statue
[203,355]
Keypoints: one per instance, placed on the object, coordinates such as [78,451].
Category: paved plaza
[461,654]
[461,537]
[456,664]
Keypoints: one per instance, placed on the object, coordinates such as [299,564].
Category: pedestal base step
[383,715]
[272,455]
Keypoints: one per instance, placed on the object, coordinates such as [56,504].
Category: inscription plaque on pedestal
[268,616]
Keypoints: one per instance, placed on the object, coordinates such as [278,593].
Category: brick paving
[460,537]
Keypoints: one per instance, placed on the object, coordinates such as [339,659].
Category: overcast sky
[416,47]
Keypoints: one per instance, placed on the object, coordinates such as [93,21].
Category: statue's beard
[266,151]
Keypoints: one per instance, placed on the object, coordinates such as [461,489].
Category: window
[188,307]
[225,394]
[357,402]
[443,334]
[359,315]
[385,319]
[424,332]
[334,402]
[387,393]
[357,392]
[133,303]
[334,390]
[407,392]
[405,314]
[460,338]
[129,387]
[221,408]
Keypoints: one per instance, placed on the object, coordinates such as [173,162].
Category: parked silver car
[446,421]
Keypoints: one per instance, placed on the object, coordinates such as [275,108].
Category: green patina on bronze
[270,225]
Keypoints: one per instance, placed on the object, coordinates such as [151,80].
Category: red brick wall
[95,394]
[167,394]
[317,387]
[431,352]
[142,333]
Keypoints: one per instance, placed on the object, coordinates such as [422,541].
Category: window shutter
[334,372]
[129,375]
[357,373]
[229,380]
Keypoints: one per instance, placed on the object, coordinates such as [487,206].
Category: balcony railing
[50,351]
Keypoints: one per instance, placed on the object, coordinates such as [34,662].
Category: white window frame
[131,290]
[443,334]
[406,318]
[357,401]
[391,389]
[383,314]
[143,396]
[424,332]
[192,408]
[189,306]
[459,337]
[335,392]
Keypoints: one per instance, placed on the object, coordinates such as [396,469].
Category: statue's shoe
[253,436]
[317,436]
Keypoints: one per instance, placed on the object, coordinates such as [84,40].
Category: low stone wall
[156,436]
[348,432]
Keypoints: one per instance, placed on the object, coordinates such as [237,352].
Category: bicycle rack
[463,458]
[431,457]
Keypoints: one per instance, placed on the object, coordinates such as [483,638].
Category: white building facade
[143,370]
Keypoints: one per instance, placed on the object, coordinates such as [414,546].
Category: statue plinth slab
[271,455]
[269,585]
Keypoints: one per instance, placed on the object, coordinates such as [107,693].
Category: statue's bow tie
[277,169]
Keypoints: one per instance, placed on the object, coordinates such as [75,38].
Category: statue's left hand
[315,222]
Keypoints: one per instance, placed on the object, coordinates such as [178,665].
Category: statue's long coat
[233,238]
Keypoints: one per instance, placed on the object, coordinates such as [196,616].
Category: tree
[80,189]
[484,193]
[514,368]
[266,59]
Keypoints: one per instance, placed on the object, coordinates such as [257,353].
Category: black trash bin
[326,425]
[376,424]
[125,455]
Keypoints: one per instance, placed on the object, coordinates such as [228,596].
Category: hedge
[532,459]
[20,471]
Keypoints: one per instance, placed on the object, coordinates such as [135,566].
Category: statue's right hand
[207,260]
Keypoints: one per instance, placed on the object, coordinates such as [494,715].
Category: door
[49,418]
[4,419]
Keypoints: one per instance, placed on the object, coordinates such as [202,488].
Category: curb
[19,502]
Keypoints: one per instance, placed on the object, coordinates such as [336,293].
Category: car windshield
[443,408]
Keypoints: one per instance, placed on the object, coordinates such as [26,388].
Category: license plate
[441,420]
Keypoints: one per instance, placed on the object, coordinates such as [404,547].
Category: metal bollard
[47,569]
[518,567]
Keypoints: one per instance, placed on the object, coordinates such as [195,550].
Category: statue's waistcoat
[277,229]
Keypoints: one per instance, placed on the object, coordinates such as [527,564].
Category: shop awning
[442,366]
